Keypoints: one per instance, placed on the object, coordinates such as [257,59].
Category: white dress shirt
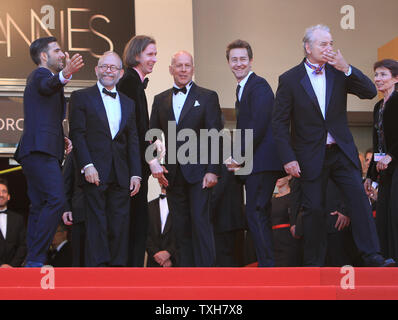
[164,212]
[3,224]
[113,113]
[179,100]
[242,84]
[318,82]
[112,108]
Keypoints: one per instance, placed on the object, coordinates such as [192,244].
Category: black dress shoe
[376,260]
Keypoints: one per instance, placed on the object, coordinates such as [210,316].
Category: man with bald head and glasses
[104,134]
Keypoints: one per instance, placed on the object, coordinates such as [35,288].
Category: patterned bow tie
[177,90]
[109,93]
[317,70]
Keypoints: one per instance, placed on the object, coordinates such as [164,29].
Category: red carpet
[198,284]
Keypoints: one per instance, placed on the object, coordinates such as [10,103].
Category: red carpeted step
[362,276]
[173,293]
[199,283]
[127,277]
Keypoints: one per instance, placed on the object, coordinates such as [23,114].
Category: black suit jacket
[13,248]
[296,106]
[205,115]
[75,201]
[92,140]
[390,128]
[255,113]
[156,240]
[131,85]
[44,111]
[227,203]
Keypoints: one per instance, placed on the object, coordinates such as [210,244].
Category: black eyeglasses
[105,67]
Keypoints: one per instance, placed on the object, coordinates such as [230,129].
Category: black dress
[286,248]
[387,200]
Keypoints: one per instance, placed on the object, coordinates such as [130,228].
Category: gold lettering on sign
[70,29]
[39,24]
[10,20]
[33,17]
[100,34]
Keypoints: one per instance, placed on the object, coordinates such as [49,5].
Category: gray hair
[309,34]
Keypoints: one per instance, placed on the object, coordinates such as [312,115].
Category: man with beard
[103,130]
[41,148]
[12,232]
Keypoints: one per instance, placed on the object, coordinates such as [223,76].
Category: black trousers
[348,179]
[138,226]
[259,189]
[229,248]
[107,224]
[387,213]
[47,202]
[193,231]
[78,238]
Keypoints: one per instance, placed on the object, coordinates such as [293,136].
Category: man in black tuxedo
[161,243]
[41,148]
[190,107]
[60,253]
[312,100]
[103,131]
[254,102]
[139,58]
[12,232]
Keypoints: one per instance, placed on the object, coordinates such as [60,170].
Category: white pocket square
[197,104]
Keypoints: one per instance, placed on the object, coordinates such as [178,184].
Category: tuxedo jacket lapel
[167,226]
[306,83]
[189,102]
[158,222]
[169,106]
[329,86]
[7,227]
[63,101]
[247,86]
[100,108]
[124,113]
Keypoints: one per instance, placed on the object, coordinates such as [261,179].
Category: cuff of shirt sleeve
[63,79]
[349,71]
[136,177]
[86,166]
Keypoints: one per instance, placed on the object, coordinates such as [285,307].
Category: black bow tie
[3,211]
[109,93]
[177,90]
[162,196]
[145,83]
